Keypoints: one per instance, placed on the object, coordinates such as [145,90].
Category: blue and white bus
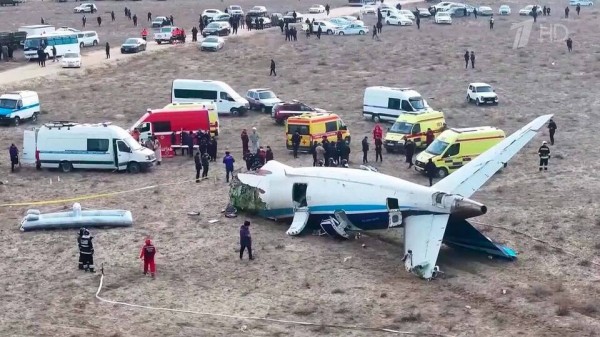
[63,41]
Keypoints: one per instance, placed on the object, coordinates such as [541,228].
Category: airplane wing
[469,178]
[423,235]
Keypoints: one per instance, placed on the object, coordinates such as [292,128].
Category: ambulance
[168,124]
[313,126]
[455,147]
[213,115]
[413,125]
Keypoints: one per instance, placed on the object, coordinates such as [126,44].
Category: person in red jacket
[148,252]
[377,132]
[144,34]
[429,137]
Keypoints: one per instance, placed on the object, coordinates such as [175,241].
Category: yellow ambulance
[455,147]
[414,126]
[313,127]
[213,114]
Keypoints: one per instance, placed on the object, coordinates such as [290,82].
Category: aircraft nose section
[467,208]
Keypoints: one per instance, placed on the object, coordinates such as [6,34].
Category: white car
[424,12]
[443,17]
[262,99]
[349,18]
[289,17]
[212,43]
[369,9]
[385,11]
[485,11]
[481,93]
[89,38]
[442,6]
[581,3]
[85,8]
[71,60]
[211,13]
[341,22]
[398,20]
[407,13]
[528,9]
[352,29]
[316,9]
[504,10]
[326,27]
[262,10]
[235,10]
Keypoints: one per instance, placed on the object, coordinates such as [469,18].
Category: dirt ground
[549,292]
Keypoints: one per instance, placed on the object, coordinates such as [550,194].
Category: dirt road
[98,57]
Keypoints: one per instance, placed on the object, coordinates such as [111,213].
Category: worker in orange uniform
[144,34]
[147,254]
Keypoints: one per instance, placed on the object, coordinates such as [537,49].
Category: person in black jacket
[378,149]
[313,151]
[212,149]
[205,162]
[409,151]
[86,250]
[296,143]
[431,171]
[365,149]
[269,155]
[552,130]
[198,163]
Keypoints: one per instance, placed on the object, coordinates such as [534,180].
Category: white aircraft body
[343,200]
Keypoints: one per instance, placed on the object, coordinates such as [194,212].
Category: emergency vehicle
[167,124]
[213,114]
[413,125]
[313,126]
[455,147]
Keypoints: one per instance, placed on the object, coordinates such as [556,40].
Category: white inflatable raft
[76,218]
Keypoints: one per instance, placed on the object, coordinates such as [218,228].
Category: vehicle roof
[54,33]
[260,89]
[480,84]
[407,91]
[20,92]
[420,117]
[472,133]
[313,117]
[181,105]
[55,126]
[193,108]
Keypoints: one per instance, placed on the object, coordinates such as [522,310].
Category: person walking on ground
[365,149]
[86,249]
[466,59]
[194,34]
[147,254]
[112,16]
[198,164]
[14,157]
[374,33]
[429,136]
[327,8]
[43,56]
[378,149]
[569,44]
[431,171]
[296,143]
[578,9]
[157,150]
[83,21]
[379,27]
[418,19]
[245,240]
[228,161]
[544,153]
[475,12]
[320,151]
[472,59]
[99,19]
[567,12]
[534,13]
[171,20]
[319,32]
[548,11]
[544,11]
[205,163]
[313,151]
[245,141]
[492,22]
[255,140]
[107,49]
[409,151]
[53,53]
[272,73]
[149,16]
[552,130]
[134,20]
[212,147]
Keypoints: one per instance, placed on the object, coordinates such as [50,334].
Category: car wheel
[362,32]
[442,172]
[134,168]
[329,32]
[264,109]
[65,166]
[34,117]
[17,121]
[234,111]
[477,102]
[468,99]
[81,45]
[376,118]
[158,41]
[95,43]
[341,33]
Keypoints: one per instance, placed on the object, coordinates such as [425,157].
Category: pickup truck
[164,34]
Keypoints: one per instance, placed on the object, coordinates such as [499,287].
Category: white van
[88,38]
[66,146]
[386,103]
[227,100]
[19,105]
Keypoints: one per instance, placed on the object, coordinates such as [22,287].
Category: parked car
[212,43]
[316,9]
[504,10]
[258,10]
[262,99]
[481,93]
[220,18]
[235,10]
[528,10]
[424,12]
[164,34]
[581,3]
[71,60]
[282,111]
[211,13]
[485,11]
[326,27]
[266,20]
[352,29]
[217,28]
[442,6]
[133,45]
[160,21]
[341,22]
[369,9]
[289,17]
[385,11]
[89,38]
[443,17]
[398,20]
[407,13]
[85,8]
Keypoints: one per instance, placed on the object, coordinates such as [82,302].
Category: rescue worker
[578,9]
[365,149]
[552,130]
[466,59]
[272,73]
[99,19]
[269,154]
[107,49]
[147,254]
[190,144]
[228,161]
[296,143]
[134,20]
[378,149]
[149,16]
[86,250]
[569,44]
[205,163]
[144,34]
[544,153]
[157,150]
[198,164]
[112,16]
[431,171]
[429,136]
[492,22]
[409,151]
[327,8]
[567,12]
[245,141]
[13,151]
[472,59]
[245,240]
[212,149]
[345,151]
[255,140]
[320,152]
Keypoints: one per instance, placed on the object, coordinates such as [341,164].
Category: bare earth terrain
[549,292]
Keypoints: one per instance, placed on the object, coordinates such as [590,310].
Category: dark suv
[282,111]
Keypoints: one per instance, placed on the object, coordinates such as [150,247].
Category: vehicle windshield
[8,103]
[442,14]
[131,41]
[484,89]
[235,7]
[417,103]
[165,30]
[437,147]
[528,7]
[71,55]
[401,127]
[34,43]
[132,143]
[266,95]
[213,25]
[211,39]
